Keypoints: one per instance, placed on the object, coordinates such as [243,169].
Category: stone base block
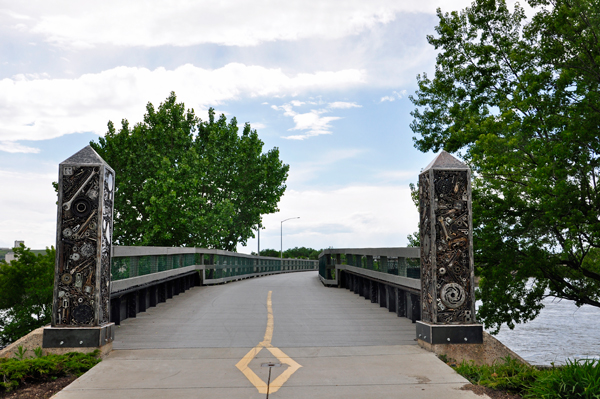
[488,352]
[104,350]
[34,340]
[28,343]
[78,337]
[450,333]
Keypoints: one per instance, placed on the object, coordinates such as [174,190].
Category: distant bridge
[143,277]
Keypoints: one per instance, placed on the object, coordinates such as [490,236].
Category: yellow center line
[270,323]
[242,365]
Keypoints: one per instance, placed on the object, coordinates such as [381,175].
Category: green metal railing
[403,262]
[128,262]
[123,267]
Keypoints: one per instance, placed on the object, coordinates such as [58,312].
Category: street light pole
[281,247]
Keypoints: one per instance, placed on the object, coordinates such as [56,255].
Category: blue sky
[327,82]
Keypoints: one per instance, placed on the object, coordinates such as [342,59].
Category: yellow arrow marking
[242,365]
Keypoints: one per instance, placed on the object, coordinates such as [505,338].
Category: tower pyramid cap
[445,161]
[86,155]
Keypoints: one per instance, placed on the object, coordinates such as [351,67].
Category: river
[561,331]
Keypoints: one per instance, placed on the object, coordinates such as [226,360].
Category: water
[561,331]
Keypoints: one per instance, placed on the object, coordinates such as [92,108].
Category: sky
[327,82]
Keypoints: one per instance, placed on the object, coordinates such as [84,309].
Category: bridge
[196,323]
[193,322]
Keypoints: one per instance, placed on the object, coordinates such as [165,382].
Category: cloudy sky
[325,81]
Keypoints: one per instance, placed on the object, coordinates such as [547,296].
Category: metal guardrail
[388,276]
[400,261]
[142,277]
[130,262]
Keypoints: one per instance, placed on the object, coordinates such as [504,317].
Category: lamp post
[281,247]
[258,239]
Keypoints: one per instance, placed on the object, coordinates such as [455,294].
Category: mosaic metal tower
[446,234]
[86,188]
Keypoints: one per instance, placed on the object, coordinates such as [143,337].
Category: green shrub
[578,379]
[508,374]
[45,368]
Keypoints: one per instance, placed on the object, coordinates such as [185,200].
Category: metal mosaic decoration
[447,295]
[83,243]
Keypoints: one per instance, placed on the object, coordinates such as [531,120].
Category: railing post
[162,292]
[373,295]
[115,310]
[383,264]
[132,304]
[153,295]
[383,295]
[142,300]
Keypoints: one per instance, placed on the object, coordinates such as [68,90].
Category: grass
[578,379]
[16,371]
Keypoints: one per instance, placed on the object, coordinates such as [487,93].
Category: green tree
[519,99]
[181,181]
[269,252]
[26,285]
[414,239]
[292,253]
[301,253]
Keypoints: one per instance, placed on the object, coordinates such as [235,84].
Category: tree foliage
[414,240]
[519,99]
[25,293]
[181,181]
[292,253]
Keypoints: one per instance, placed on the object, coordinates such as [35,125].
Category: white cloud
[36,109]
[343,105]
[15,15]
[395,176]
[395,96]
[258,126]
[312,122]
[354,216]
[31,200]
[185,23]
[10,146]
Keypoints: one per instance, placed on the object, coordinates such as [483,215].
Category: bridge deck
[212,341]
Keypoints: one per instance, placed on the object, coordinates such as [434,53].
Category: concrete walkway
[213,342]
